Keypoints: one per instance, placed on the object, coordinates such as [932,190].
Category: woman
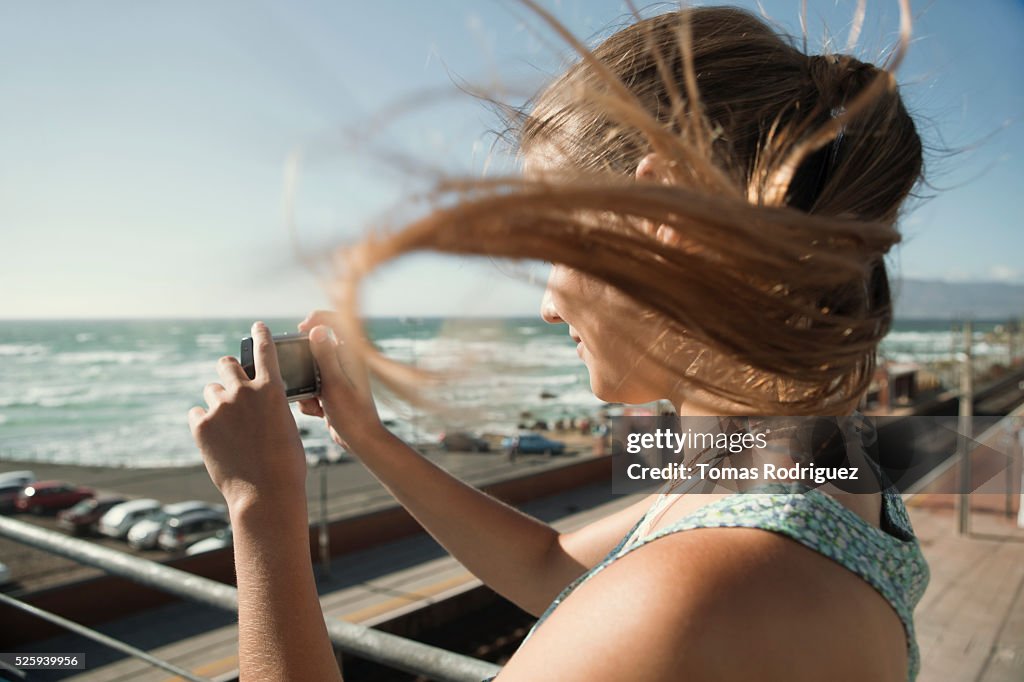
[717,206]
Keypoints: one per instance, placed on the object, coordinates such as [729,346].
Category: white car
[222,539]
[182,531]
[144,534]
[21,478]
[118,521]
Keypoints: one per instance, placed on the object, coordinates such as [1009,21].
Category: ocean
[116,392]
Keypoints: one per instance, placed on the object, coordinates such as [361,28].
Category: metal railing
[1002,437]
[106,640]
[380,647]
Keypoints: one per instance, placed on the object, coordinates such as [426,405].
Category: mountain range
[937,299]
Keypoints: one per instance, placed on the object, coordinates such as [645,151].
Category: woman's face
[614,339]
[626,349]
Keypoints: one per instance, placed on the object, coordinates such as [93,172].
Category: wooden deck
[970,623]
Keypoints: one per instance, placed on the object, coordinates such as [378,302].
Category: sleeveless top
[890,560]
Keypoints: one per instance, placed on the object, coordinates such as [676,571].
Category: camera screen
[296,363]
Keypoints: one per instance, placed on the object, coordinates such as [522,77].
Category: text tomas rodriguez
[765,472]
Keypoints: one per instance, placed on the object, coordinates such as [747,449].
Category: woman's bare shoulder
[721,604]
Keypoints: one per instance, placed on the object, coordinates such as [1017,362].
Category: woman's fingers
[351,363]
[325,352]
[264,354]
[353,367]
[213,394]
[230,372]
[345,359]
[328,317]
[195,415]
[311,406]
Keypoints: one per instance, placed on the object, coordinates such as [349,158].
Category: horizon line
[421,318]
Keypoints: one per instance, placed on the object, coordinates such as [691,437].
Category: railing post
[966,432]
[1020,447]
[1011,469]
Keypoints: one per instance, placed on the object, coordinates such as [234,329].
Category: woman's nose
[547,304]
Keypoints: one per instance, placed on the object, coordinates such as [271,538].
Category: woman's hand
[248,437]
[345,400]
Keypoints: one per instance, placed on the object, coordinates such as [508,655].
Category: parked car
[82,518]
[463,441]
[223,538]
[529,442]
[9,496]
[17,477]
[120,518]
[45,496]
[144,534]
[182,531]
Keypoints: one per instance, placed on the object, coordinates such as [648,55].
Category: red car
[81,519]
[44,496]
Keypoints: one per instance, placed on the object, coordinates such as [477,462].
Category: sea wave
[96,394]
[41,395]
[930,338]
[211,340]
[925,345]
[545,381]
[200,371]
[128,357]
[16,349]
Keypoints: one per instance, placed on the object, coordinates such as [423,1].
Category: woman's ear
[651,168]
[648,169]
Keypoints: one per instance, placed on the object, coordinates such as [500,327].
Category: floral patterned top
[889,559]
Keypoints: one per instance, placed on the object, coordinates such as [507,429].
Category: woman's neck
[699,403]
[696,403]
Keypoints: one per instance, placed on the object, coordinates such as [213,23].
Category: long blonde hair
[784,173]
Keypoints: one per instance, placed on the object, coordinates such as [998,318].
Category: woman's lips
[579,342]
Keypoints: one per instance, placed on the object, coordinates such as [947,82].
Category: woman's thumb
[324,348]
[339,366]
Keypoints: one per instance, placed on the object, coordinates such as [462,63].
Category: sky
[147,149]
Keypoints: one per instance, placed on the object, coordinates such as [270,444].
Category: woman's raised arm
[516,555]
[252,450]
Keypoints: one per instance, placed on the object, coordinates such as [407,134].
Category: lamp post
[324,535]
[414,418]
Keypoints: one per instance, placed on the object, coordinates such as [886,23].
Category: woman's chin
[614,391]
[600,388]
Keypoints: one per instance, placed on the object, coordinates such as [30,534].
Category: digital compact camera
[295,358]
